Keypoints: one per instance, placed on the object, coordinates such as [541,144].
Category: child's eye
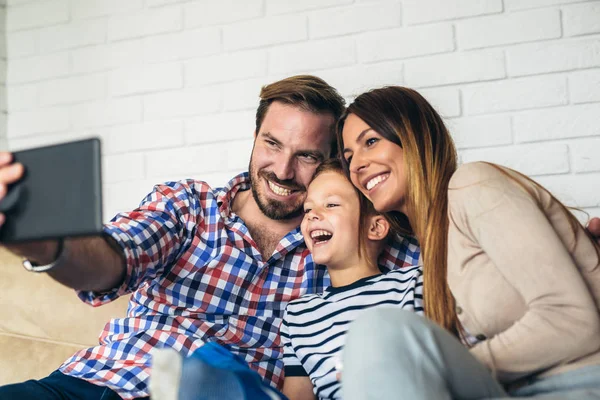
[348,160]
[307,210]
[331,205]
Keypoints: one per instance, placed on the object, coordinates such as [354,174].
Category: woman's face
[377,166]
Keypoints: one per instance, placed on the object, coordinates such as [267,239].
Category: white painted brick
[21,44]
[357,18]
[538,159]
[3,65]
[265,31]
[219,179]
[581,19]
[311,55]
[159,3]
[209,12]
[484,131]
[123,167]
[564,55]
[446,101]
[574,190]
[182,45]
[519,27]
[220,127]
[3,107]
[46,139]
[350,81]
[72,90]
[226,67]
[515,94]
[453,68]
[557,123]
[422,11]
[183,103]
[405,43]
[104,57]
[124,196]
[242,95]
[585,155]
[75,34]
[38,121]
[22,97]
[293,6]
[3,45]
[584,86]
[105,113]
[39,67]
[150,78]
[525,4]
[98,8]
[38,14]
[186,160]
[238,155]
[145,136]
[151,22]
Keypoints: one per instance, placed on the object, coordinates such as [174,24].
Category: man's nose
[284,168]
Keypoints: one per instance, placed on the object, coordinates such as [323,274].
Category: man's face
[287,150]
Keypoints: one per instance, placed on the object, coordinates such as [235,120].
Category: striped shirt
[196,275]
[314,326]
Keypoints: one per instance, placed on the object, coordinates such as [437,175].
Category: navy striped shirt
[314,326]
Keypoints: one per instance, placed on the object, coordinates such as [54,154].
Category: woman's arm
[561,322]
[298,388]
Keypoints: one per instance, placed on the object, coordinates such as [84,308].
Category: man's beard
[274,209]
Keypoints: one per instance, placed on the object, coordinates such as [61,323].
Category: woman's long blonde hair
[404,117]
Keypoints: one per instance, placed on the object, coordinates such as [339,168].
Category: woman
[507,269]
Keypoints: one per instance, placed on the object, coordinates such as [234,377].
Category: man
[202,264]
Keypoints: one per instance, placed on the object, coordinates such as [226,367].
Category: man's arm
[95,263]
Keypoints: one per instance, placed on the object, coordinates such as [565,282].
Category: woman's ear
[379,227]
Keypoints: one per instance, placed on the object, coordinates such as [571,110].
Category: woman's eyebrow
[358,138]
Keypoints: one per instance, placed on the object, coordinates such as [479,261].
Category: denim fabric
[56,386]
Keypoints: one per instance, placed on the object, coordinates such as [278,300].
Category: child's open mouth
[320,236]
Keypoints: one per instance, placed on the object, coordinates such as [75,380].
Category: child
[344,233]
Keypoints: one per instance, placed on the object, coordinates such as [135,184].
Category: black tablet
[59,196]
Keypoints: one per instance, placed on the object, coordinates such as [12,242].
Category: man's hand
[9,173]
[42,252]
[594,228]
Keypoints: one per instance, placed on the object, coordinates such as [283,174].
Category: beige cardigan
[525,285]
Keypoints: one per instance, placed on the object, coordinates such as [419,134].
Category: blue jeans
[56,386]
[396,354]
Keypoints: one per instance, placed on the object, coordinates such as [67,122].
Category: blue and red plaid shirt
[197,276]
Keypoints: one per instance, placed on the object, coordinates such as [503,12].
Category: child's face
[331,219]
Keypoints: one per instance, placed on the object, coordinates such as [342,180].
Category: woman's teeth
[378,179]
[279,190]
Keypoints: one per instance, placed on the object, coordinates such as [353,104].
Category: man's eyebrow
[314,153]
[269,136]
[358,139]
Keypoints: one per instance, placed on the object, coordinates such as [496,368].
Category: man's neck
[348,274]
[266,232]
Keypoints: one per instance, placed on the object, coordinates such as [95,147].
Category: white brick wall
[171,85]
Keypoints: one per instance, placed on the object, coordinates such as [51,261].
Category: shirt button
[459,310]
[481,336]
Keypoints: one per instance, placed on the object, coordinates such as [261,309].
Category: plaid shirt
[197,276]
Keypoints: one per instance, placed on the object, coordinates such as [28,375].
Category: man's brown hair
[307,92]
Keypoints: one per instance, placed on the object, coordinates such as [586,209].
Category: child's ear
[379,227]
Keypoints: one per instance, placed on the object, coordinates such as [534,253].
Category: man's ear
[379,227]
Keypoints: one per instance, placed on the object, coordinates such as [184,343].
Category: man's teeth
[378,179]
[279,190]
